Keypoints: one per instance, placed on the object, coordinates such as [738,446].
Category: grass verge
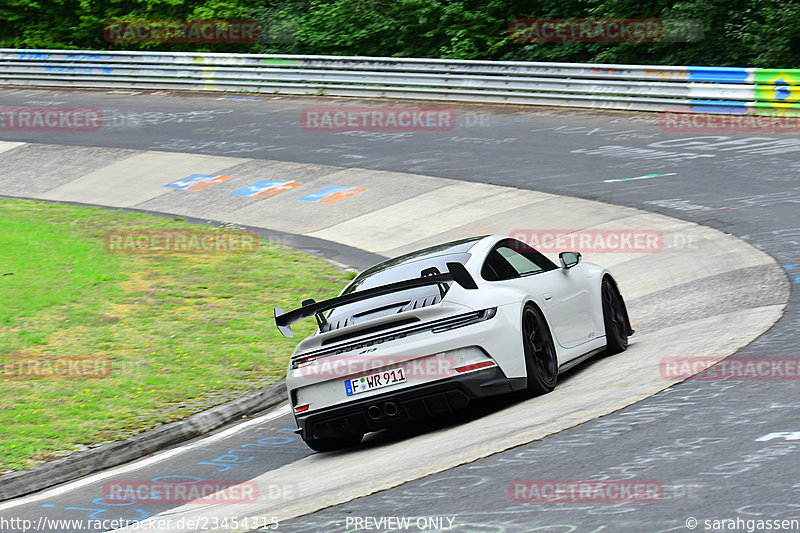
[151,337]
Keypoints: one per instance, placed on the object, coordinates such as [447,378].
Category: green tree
[762,33]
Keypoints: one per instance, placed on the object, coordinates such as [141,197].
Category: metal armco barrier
[631,87]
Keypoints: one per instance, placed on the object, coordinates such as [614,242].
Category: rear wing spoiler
[430,276]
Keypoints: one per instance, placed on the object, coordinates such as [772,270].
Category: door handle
[548,295]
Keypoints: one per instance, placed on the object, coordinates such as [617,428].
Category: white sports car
[423,334]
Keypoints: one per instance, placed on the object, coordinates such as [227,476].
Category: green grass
[179,332]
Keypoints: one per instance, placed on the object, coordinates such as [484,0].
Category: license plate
[374,381]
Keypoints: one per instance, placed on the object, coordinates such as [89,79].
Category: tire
[615,318]
[334,443]
[541,360]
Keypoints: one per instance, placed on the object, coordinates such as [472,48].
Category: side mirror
[569,259]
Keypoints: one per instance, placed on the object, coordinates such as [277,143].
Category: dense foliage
[764,33]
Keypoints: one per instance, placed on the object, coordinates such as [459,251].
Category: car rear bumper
[406,405]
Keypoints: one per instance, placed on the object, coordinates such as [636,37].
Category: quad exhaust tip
[389,410]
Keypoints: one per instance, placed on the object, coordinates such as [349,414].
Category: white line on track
[276,413]
[645,177]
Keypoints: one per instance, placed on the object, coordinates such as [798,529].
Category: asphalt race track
[703,441]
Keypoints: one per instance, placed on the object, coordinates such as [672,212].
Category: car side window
[511,259]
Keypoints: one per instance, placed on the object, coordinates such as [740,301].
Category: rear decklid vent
[378,312]
[419,303]
[366,331]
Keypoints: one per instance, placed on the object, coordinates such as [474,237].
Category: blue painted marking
[234,459]
[78,70]
[719,103]
[325,193]
[48,505]
[781,89]
[261,441]
[81,57]
[740,110]
[277,442]
[261,186]
[188,181]
[719,74]
[228,467]
[795,267]
[142,513]
[29,55]
[113,498]
[265,442]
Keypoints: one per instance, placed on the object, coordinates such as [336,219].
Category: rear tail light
[301,408]
[465,320]
[475,366]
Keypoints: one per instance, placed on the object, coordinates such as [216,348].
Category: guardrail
[628,87]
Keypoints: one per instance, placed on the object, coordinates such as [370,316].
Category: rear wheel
[615,318]
[540,352]
[333,443]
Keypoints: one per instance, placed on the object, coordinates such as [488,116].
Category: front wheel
[615,318]
[333,443]
[540,352]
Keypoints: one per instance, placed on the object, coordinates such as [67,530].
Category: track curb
[116,453]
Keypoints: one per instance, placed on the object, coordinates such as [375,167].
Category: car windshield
[411,265]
